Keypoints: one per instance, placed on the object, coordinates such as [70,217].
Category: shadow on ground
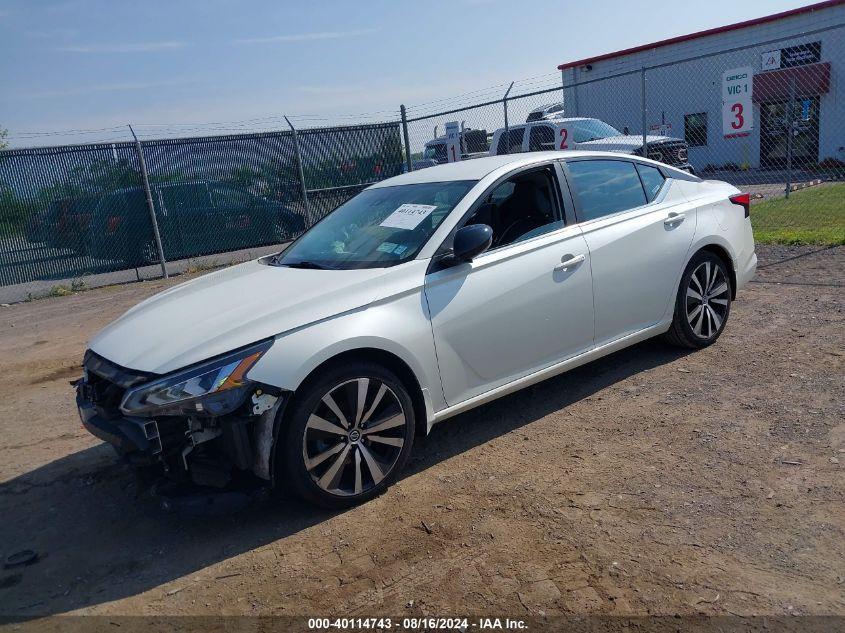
[97,543]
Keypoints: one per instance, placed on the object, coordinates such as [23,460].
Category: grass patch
[811,216]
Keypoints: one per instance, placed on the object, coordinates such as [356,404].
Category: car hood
[623,142]
[225,310]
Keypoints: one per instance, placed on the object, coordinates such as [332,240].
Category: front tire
[347,436]
[703,303]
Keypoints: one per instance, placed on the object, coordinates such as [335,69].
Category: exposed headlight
[214,387]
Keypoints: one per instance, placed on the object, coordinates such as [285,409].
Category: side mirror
[626,131]
[470,241]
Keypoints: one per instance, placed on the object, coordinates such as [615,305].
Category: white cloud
[51,34]
[305,37]
[84,90]
[140,47]
[328,90]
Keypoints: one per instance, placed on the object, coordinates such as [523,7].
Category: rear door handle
[569,261]
[674,218]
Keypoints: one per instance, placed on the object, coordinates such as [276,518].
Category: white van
[589,134]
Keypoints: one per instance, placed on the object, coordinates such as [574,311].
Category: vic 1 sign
[453,142]
[737,109]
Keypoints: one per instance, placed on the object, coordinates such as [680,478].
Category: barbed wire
[151,130]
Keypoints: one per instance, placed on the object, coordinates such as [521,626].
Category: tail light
[743,200]
[113,224]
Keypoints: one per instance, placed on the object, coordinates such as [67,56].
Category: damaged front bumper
[202,449]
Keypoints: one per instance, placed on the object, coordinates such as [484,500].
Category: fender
[381,326]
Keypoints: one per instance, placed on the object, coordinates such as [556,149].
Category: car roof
[478,168]
[548,121]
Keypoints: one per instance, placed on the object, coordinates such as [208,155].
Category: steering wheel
[516,229]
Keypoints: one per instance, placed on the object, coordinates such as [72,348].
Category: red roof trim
[698,34]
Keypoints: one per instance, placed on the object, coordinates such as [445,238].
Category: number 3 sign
[737,108]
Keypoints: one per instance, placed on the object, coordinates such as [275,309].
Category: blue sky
[92,64]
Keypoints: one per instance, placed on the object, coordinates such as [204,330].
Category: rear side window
[652,180]
[510,142]
[227,197]
[541,138]
[112,204]
[187,196]
[603,187]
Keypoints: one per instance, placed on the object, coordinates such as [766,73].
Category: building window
[695,129]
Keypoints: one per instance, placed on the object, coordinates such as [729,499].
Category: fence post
[790,124]
[507,127]
[301,170]
[563,91]
[145,179]
[645,118]
[404,115]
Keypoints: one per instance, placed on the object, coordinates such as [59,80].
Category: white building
[800,52]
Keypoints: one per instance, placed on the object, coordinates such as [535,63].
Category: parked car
[423,296]
[548,111]
[64,223]
[194,218]
[555,132]
[474,144]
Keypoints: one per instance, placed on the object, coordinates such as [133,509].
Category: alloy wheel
[707,300]
[354,437]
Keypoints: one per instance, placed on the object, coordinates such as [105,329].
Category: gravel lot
[653,481]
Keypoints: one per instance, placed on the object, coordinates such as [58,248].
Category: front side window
[652,180]
[519,208]
[510,141]
[437,152]
[592,130]
[603,187]
[542,138]
[379,227]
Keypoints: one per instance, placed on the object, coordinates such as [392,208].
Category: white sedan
[425,295]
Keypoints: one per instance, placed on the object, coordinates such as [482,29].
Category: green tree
[103,175]
[244,176]
[4,133]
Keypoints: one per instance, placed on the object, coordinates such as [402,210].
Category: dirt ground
[650,482]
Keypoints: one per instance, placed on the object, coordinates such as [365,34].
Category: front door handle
[569,261]
[674,218]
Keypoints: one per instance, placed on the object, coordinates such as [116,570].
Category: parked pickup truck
[566,133]
[194,218]
[474,143]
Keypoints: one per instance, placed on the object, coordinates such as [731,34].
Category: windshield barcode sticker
[408,216]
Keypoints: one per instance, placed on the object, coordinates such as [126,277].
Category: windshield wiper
[304,264]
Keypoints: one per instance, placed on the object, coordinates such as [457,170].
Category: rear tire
[703,303]
[338,449]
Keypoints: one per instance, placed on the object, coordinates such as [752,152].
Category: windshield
[436,151]
[379,227]
[593,130]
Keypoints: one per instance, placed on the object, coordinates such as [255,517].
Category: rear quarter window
[652,180]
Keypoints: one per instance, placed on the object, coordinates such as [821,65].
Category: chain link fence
[67,213]
[766,117]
